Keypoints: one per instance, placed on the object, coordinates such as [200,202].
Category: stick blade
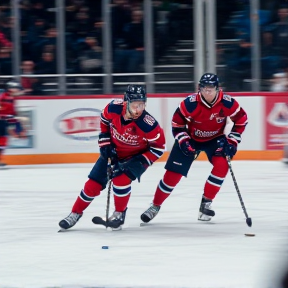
[249,221]
[99,221]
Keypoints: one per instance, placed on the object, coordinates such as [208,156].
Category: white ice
[174,250]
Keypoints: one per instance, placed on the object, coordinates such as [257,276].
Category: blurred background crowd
[173,58]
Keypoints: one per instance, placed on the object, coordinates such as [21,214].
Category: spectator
[97,31]
[82,24]
[4,42]
[49,40]
[90,60]
[36,31]
[29,84]
[39,10]
[120,16]
[25,10]
[5,61]
[6,27]
[239,64]
[47,65]
[281,31]
[270,59]
[130,56]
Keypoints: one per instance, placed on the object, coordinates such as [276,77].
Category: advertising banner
[277,123]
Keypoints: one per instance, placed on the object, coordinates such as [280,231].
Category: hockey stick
[98,219]
[248,219]
[109,175]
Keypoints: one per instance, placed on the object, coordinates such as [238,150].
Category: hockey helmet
[209,80]
[135,93]
[13,84]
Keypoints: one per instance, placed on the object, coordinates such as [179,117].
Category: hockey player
[198,125]
[132,139]
[8,113]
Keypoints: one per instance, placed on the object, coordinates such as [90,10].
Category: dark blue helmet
[209,79]
[135,93]
[13,84]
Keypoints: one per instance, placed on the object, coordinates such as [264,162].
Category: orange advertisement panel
[276,122]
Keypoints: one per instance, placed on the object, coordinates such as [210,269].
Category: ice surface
[174,250]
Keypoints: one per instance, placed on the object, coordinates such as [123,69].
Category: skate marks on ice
[174,244]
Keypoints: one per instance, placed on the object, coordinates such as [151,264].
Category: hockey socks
[122,192]
[216,178]
[166,186]
[88,193]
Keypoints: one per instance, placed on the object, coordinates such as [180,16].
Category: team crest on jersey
[193,97]
[149,120]
[220,119]
[213,115]
[227,97]
[131,130]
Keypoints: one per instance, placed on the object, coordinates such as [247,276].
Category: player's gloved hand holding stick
[107,150]
[227,147]
[185,145]
[133,167]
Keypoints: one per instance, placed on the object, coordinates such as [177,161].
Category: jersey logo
[131,130]
[149,120]
[192,98]
[220,119]
[213,115]
[125,138]
[227,97]
[203,134]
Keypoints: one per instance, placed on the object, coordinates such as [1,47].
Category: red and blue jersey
[133,137]
[204,121]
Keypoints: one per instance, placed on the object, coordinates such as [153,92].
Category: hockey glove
[227,147]
[133,168]
[106,148]
[185,145]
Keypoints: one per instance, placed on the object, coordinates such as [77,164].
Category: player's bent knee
[92,188]
[221,164]
[121,180]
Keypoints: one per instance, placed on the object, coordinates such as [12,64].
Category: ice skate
[70,220]
[205,211]
[116,220]
[150,213]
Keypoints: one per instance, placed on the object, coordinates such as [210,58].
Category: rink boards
[65,129]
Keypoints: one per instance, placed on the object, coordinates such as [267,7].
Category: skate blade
[203,217]
[117,229]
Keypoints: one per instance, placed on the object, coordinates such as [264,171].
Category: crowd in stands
[273,19]
[84,39]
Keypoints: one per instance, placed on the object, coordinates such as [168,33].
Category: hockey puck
[249,234]
[105,247]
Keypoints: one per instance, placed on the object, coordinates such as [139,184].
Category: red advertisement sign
[276,122]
